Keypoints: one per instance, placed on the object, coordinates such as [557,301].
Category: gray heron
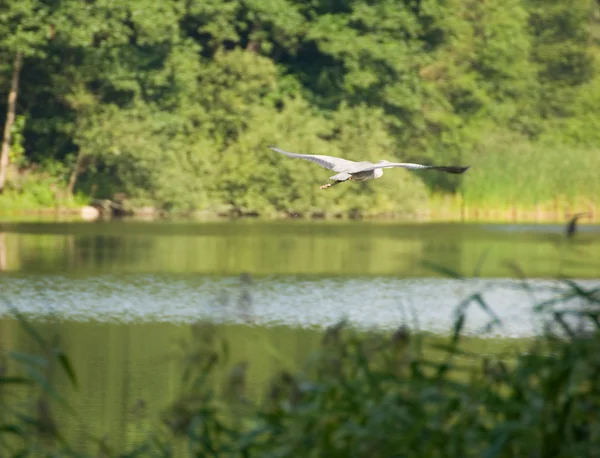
[572,225]
[364,170]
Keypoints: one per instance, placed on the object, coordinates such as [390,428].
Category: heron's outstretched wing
[329,162]
[410,166]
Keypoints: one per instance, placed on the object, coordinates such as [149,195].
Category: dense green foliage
[361,395]
[174,103]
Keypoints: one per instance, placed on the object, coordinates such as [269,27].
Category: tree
[562,51]
[10,118]
[23,31]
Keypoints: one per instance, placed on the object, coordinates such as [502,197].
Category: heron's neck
[377,173]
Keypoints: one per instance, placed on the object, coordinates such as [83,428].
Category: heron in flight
[364,170]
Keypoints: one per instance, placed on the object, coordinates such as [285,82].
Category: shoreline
[465,214]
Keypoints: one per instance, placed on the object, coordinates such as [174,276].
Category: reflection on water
[303,273]
[385,303]
[128,373]
[2,252]
[326,249]
[121,295]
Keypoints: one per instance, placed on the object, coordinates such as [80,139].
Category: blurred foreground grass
[370,394]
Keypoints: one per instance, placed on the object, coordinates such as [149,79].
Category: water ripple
[384,303]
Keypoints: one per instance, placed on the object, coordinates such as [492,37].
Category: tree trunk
[253,45]
[79,167]
[10,118]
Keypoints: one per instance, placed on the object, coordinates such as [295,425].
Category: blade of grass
[67,366]
[27,327]
[484,306]
[11,429]
[579,291]
[27,359]
[445,271]
[480,260]
[558,317]
[457,328]
[14,381]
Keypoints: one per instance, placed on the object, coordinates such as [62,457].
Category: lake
[122,295]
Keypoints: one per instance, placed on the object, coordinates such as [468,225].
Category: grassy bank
[510,179]
[360,394]
[40,193]
[532,176]
[559,210]
[465,206]
[441,209]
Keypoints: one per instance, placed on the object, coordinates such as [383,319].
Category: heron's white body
[358,176]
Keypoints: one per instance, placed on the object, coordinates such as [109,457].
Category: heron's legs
[329,185]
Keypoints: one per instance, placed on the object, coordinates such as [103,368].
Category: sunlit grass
[558,210]
[39,198]
[523,175]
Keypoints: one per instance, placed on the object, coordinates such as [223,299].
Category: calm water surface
[122,295]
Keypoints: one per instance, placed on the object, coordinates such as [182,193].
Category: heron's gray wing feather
[411,166]
[343,176]
[329,162]
[405,165]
